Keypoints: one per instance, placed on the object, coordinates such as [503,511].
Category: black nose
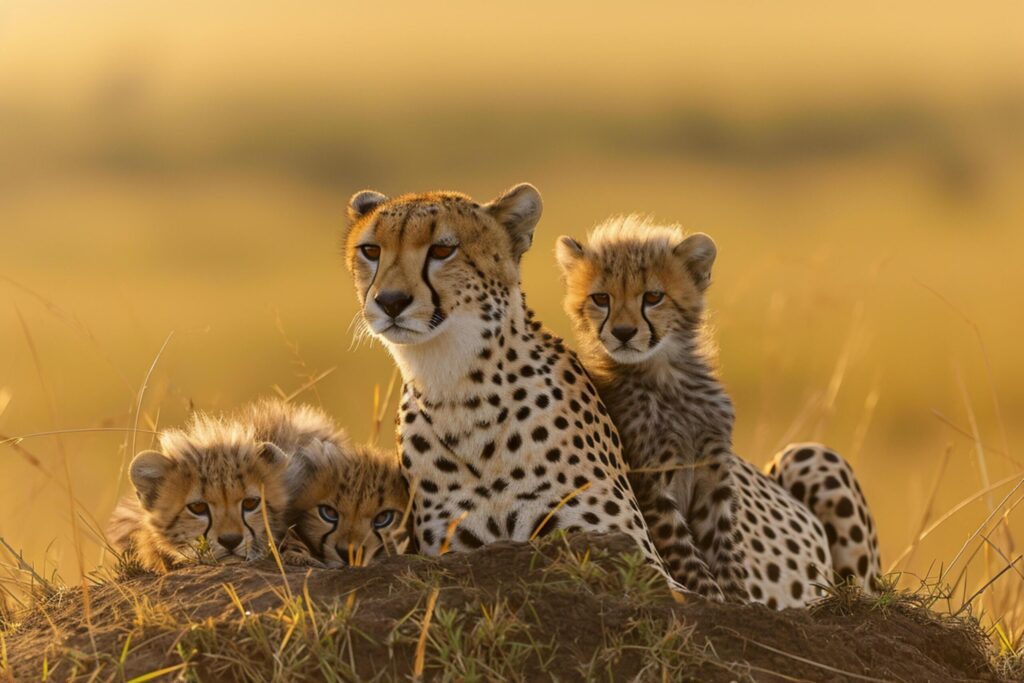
[623,332]
[393,302]
[230,541]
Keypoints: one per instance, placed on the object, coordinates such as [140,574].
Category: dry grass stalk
[551,513]
[908,554]
[380,408]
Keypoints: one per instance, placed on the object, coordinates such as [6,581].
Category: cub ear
[307,461]
[568,253]
[271,455]
[518,211]
[697,252]
[147,471]
[363,203]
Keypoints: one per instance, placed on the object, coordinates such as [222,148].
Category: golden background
[184,168]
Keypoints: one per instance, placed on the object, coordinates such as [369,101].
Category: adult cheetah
[500,428]
[635,293]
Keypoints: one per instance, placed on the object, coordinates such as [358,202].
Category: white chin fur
[405,336]
[629,356]
[402,332]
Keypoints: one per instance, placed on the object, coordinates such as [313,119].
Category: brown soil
[586,616]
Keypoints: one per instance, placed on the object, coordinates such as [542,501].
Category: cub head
[203,493]
[427,263]
[348,503]
[635,288]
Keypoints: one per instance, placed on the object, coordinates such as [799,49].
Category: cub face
[419,260]
[635,289]
[348,506]
[206,499]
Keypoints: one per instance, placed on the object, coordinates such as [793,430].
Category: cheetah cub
[349,505]
[636,299]
[202,494]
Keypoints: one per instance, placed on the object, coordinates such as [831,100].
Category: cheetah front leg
[712,513]
[674,541]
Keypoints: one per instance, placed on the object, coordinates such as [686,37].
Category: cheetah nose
[623,332]
[393,302]
[230,541]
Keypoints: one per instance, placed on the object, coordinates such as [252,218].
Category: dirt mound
[568,608]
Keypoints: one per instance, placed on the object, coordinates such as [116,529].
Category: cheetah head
[348,503]
[204,494]
[635,288]
[428,263]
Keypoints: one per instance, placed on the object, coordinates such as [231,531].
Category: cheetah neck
[677,389]
[471,357]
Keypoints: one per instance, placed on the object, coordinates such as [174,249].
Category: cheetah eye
[198,508]
[384,519]
[250,504]
[439,252]
[653,298]
[328,514]
[601,299]
[371,252]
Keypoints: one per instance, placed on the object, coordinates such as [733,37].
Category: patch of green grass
[296,639]
[627,574]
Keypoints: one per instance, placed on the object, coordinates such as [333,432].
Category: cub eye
[250,504]
[652,298]
[440,252]
[328,514]
[371,252]
[384,519]
[601,299]
[198,508]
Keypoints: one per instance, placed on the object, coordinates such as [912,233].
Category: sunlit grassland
[835,335]
[868,221]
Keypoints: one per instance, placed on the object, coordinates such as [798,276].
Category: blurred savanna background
[173,182]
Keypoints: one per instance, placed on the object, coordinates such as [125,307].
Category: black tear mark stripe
[650,327]
[251,530]
[401,234]
[608,314]
[437,317]
[376,268]
[323,539]
[209,522]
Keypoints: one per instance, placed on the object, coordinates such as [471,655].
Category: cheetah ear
[518,211]
[697,252]
[307,461]
[363,203]
[147,471]
[568,253]
[271,455]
